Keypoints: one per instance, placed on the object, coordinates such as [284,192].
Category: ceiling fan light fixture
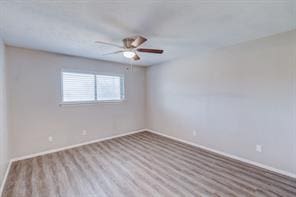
[129,54]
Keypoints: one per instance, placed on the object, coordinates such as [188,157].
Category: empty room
[134,98]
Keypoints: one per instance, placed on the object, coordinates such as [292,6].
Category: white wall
[3,114]
[235,98]
[34,82]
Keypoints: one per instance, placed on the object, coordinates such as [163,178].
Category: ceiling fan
[130,47]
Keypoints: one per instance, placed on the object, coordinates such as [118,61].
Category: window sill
[77,103]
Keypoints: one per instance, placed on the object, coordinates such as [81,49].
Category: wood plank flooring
[142,164]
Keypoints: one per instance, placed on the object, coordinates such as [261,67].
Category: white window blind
[109,88]
[80,87]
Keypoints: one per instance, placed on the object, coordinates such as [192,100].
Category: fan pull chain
[132,68]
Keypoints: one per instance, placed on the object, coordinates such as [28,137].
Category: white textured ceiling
[179,27]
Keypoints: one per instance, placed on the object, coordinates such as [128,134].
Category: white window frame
[95,73]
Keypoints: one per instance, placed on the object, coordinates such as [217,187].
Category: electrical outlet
[194,132]
[84,132]
[50,138]
[259,148]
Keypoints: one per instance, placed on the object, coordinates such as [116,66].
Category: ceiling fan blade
[115,52]
[159,51]
[138,41]
[136,57]
[127,42]
[107,43]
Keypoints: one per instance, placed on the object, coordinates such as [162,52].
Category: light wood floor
[142,164]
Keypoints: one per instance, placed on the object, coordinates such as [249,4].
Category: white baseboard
[5,177]
[272,169]
[152,131]
[74,146]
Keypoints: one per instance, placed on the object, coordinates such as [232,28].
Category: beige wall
[234,98]
[3,114]
[34,82]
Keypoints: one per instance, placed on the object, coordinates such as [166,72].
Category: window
[109,87]
[80,87]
